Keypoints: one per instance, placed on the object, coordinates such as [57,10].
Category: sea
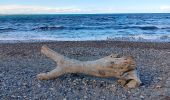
[152,27]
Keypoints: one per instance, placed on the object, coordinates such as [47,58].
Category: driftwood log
[122,68]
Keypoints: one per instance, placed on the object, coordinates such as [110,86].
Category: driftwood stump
[122,68]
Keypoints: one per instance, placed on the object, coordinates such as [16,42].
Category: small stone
[143,86]
[19,96]
[94,81]
[167,83]
[39,85]
[123,96]
[141,96]
[159,78]
[103,97]
[69,79]
[64,99]
[13,96]
[85,97]
[1,74]
[158,86]
[52,89]
[24,84]
[74,83]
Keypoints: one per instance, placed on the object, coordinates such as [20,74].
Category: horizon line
[86,13]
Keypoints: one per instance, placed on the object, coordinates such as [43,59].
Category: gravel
[21,62]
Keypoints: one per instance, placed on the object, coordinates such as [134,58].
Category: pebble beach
[21,62]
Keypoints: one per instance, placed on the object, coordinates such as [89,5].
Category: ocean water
[84,27]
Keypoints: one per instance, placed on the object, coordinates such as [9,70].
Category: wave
[6,29]
[148,28]
[151,27]
[142,27]
[51,28]
[165,28]
[46,28]
[142,38]
[89,28]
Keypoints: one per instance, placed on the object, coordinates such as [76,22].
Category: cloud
[22,9]
[165,8]
[27,9]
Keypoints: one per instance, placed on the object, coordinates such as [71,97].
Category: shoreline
[101,43]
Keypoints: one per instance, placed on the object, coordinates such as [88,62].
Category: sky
[83,6]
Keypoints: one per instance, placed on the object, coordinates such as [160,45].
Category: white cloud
[21,9]
[165,8]
[26,9]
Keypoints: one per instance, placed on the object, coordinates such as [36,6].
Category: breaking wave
[45,28]
[141,27]
[48,28]
[142,38]
[6,29]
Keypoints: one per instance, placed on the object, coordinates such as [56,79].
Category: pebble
[85,97]
[159,78]
[158,86]
[52,89]
[24,84]
[103,97]
[64,99]
[94,81]
[167,83]
[13,96]
[1,74]
[129,92]
[141,96]
[144,62]
[39,85]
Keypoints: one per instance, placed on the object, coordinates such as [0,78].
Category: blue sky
[83,6]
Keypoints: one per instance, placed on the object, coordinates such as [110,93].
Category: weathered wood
[122,68]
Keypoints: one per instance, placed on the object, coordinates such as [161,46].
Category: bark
[122,68]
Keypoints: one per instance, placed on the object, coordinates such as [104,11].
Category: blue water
[125,27]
